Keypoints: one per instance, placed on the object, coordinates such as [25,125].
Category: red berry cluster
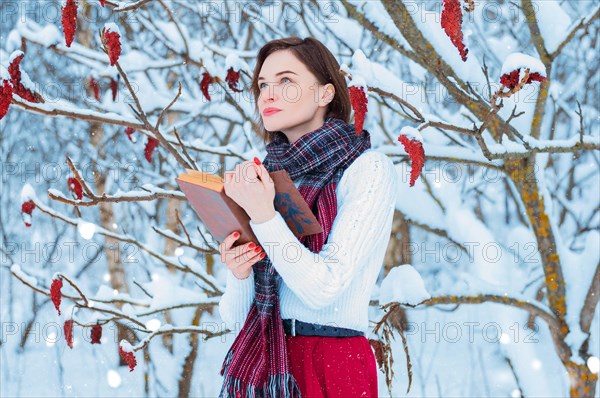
[55,293]
[232,79]
[96,334]
[452,24]
[126,353]
[511,80]
[68,328]
[75,187]
[129,131]
[358,99]
[415,151]
[204,83]
[96,87]
[17,77]
[26,209]
[112,40]
[6,92]
[151,144]
[69,20]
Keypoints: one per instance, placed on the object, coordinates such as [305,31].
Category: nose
[269,94]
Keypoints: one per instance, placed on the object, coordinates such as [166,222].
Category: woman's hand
[255,195]
[240,259]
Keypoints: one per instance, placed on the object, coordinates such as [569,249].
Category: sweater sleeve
[237,299]
[366,205]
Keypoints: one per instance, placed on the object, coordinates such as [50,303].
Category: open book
[222,215]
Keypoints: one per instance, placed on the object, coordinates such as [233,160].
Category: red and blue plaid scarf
[257,362]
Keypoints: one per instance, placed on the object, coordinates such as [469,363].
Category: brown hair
[319,61]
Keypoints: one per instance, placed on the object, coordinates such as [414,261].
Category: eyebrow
[279,73]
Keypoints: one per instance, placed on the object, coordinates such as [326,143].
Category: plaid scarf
[257,363]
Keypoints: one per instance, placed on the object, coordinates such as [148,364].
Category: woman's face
[286,84]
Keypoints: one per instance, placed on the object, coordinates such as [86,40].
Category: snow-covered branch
[211,285]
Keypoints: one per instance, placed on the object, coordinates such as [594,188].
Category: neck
[294,133]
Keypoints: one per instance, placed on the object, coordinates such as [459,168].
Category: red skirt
[331,367]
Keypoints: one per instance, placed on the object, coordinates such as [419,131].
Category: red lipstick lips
[270,111]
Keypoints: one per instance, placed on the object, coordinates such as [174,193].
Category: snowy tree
[489,110]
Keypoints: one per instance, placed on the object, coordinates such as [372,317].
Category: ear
[328,94]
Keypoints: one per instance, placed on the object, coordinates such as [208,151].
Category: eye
[260,86]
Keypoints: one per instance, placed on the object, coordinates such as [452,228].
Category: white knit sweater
[332,287]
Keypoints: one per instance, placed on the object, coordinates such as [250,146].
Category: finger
[233,256]
[243,248]
[259,256]
[241,173]
[247,254]
[252,259]
[263,173]
[235,252]
[228,242]
[250,171]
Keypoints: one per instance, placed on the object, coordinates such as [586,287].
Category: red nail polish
[236,235]
[257,161]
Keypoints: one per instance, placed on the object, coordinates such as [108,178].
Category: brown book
[222,215]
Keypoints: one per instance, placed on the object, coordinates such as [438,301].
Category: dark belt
[293,327]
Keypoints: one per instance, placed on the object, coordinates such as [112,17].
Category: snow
[4,75]
[232,60]
[15,54]
[26,81]
[15,269]
[411,133]
[502,46]
[511,146]
[169,30]
[506,145]
[126,346]
[554,23]
[420,209]
[49,35]
[60,105]
[489,260]
[361,65]
[340,30]
[403,284]
[167,293]
[516,61]
[28,193]
[13,41]
[57,193]
[106,293]
[375,13]
[578,273]
[430,27]
[358,81]
[374,74]
[112,27]
[454,203]
[133,60]
[196,48]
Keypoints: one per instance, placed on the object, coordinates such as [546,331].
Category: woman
[304,303]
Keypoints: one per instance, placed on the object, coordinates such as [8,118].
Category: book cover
[222,215]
